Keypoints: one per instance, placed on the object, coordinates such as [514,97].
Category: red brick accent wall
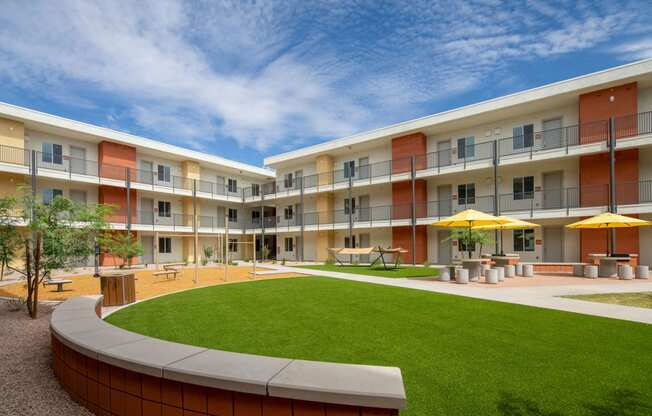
[108,390]
[596,107]
[403,147]
[402,237]
[113,158]
[117,197]
[402,199]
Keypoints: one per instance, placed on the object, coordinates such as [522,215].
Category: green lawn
[459,356]
[403,271]
[640,299]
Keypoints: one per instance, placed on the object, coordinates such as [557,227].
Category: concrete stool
[528,270]
[591,271]
[578,270]
[519,269]
[445,275]
[491,276]
[642,272]
[501,273]
[510,270]
[462,276]
[625,272]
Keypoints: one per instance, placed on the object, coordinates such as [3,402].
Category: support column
[324,204]
[497,240]
[302,219]
[613,207]
[413,175]
[350,196]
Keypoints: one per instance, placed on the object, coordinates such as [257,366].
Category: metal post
[497,241]
[413,174]
[195,228]
[128,184]
[302,219]
[613,207]
[350,216]
[226,245]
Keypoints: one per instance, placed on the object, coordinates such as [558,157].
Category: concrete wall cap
[346,384]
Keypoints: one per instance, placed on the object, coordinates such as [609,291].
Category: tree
[208,254]
[121,245]
[58,235]
[470,239]
[10,238]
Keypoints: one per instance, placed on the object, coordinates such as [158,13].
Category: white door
[148,249]
[444,201]
[444,153]
[78,160]
[552,244]
[363,209]
[364,170]
[146,172]
[553,192]
[443,247]
[78,196]
[146,212]
[365,241]
[552,133]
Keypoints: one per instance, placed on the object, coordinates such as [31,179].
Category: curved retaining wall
[112,371]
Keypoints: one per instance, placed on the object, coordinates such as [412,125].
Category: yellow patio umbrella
[609,220]
[513,224]
[469,218]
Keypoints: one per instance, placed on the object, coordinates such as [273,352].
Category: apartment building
[543,155]
[157,190]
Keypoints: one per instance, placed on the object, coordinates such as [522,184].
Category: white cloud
[281,72]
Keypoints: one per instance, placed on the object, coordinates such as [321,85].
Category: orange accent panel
[402,237]
[596,107]
[117,197]
[403,147]
[594,178]
[113,158]
[402,199]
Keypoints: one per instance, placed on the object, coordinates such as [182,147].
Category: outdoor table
[474,266]
[502,261]
[609,265]
[118,288]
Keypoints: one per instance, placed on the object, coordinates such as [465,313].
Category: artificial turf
[638,299]
[458,356]
[402,271]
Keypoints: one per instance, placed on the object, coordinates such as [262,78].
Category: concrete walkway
[539,296]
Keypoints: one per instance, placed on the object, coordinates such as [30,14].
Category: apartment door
[552,244]
[444,153]
[553,192]
[444,201]
[146,213]
[146,172]
[443,247]
[364,168]
[78,196]
[78,160]
[365,241]
[299,248]
[220,185]
[298,179]
[147,242]
[298,214]
[363,209]
[552,134]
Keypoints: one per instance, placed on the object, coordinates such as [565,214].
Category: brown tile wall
[108,390]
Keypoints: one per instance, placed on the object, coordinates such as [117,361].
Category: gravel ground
[27,383]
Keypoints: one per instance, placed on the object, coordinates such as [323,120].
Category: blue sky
[249,79]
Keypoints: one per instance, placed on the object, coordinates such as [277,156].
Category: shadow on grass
[620,402]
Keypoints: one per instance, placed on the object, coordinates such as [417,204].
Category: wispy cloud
[286,73]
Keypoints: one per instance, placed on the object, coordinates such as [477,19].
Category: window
[255,189]
[50,194]
[255,217]
[233,245]
[349,204]
[524,240]
[466,147]
[163,173]
[288,212]
[347,242]
[52,153]
[289,244]
[233,185]
[233,215]
[466,194]
[523,136]
[523,187]
[164,209]
[165,245]
[287,180]
[349,169]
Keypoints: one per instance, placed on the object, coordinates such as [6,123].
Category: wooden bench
[167,273]
[58,282]
[174,266]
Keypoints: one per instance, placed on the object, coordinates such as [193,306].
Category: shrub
[329,262]
[283,261]
[426,264]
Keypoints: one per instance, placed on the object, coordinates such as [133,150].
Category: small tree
[208,254]
[470,239]
[122,245]
[265,252]
[58,235]
[10,238]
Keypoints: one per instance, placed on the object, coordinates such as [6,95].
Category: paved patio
[543,291]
